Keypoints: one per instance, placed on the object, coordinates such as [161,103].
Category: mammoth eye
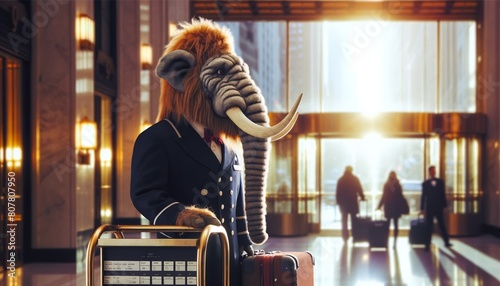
[221,71]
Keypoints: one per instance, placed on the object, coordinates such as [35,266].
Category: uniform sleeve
[149,181]
[422,197]
[241,219]
[443,194]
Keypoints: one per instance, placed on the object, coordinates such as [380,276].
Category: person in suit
[433,205]
[347,192]
[392,200]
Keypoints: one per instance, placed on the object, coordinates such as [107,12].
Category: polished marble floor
[471,261]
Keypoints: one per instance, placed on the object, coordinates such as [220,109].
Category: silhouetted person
[348,190]
[433,204]
[392,200]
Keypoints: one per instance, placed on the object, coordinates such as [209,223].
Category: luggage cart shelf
[142,261]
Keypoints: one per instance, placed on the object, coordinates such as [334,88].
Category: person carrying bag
[394,202]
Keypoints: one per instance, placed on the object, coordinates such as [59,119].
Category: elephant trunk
[255,155]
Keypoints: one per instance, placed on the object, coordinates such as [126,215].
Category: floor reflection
[471,261]
[348,264]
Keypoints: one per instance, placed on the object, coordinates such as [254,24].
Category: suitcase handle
[206,232]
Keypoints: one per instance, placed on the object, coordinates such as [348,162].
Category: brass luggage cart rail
[118,232]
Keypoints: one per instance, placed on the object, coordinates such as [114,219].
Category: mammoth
[180,178]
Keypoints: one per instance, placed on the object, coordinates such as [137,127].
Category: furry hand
[197,218]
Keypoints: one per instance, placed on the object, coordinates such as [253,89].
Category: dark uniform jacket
[433,196]
[174,167]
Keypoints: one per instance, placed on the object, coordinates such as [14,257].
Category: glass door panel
[279,182]
[308,194]
[372,158]
[462,185]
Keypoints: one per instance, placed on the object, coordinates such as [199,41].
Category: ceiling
[257,10]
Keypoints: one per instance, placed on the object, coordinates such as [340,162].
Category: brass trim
[118,231]
[146,242]
[388,124]
[202,253]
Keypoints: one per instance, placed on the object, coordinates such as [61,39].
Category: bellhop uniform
[173,167]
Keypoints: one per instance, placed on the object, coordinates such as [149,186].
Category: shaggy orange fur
[204,39]
[196,217]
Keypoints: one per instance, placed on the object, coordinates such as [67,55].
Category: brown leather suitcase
[278,269]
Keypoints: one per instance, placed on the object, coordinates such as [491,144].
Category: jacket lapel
[195,147]
[227,157]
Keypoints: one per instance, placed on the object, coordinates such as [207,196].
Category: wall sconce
[146,56]
[86,139]
[13,156]
[106,156]
[85,32]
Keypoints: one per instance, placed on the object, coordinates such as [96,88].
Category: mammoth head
[206,82]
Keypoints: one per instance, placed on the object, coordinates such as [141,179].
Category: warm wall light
[172,29]
[146,56]
[85,32]
[106,156]
[13,156]
[86,139]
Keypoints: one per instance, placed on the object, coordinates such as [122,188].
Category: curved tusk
[275,132]
[290,125]
[287,129]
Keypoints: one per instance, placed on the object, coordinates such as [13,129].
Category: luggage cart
[170,261]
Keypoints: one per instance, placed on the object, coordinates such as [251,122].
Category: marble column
[53,92]
[489,93]
[127,105]
[62,93]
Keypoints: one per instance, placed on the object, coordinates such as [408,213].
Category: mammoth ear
[174,66]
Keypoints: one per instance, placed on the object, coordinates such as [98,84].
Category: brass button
[220,180]
[231,178]
[204,192]
[231,192]
[220,193]
[232,219]
[222,220]
[222,206]
[232,206]
[232,232]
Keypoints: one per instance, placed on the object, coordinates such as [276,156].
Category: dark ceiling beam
[449,7]
[417,5]
[253,7]
[319,6]
[221,8]
[286,7]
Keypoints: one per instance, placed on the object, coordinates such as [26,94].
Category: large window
[362,66]
[372,158]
